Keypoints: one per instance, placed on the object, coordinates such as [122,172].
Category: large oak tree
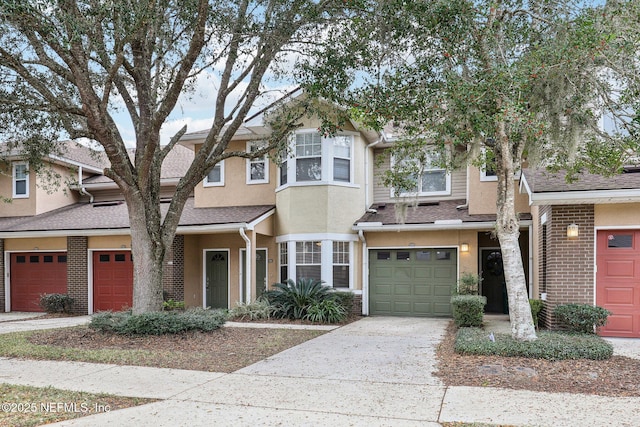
[68,66]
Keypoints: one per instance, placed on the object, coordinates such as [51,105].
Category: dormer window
[20,180]
[215,177]
[316,159]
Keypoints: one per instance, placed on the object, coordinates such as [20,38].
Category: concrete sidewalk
[374,372]
[20,322]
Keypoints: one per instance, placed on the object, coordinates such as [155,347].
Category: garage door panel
[411,282]
[112,280]
[31,277]
[403,290]
[423,272]
[402,273]
[618,281]
[622,268]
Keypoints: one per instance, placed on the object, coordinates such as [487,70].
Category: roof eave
[379,227]
[584,197]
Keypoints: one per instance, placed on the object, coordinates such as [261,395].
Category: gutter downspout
[366,172]
[248,262]
[83,190]
[365,274]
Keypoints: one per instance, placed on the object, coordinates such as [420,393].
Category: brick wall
[173,271]
[566,266]
[2,274]
[77,273]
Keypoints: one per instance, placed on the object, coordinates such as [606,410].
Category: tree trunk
[148,260]
[508,231]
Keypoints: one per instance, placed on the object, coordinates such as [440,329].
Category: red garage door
[34,274]
[618,281]
[112,280]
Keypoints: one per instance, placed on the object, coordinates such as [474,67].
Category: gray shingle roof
[426,213]
[175,165]
[109,216]
[542,181]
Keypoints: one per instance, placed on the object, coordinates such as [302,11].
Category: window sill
[317,183]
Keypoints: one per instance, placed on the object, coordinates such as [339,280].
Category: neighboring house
[322,213]
[587,244]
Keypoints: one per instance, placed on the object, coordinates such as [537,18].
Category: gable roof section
[443,215]
[548,188]
[174,167]
[85,219]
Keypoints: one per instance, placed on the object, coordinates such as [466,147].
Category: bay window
[318,159]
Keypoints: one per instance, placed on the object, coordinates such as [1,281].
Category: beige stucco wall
[468,261]
[483,194]
[318,209]
[616,215]
[109,242]
[50,196]
[42,244]
[17,207]
[236,191]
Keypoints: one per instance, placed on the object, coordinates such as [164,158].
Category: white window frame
[206,182]
[420,193]
[341,264]
[327,157]
[15,165]
[264,159]
[327,264]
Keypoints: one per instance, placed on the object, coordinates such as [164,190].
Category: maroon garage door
[618,281]
[112,280]
[34,274]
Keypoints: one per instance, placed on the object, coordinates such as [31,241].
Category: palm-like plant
[292,299]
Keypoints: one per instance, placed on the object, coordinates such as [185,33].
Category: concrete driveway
[374,372]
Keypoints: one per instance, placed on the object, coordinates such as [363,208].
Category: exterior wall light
[572,231]
[464,247]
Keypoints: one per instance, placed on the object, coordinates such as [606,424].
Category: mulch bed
[222,350]
[618,376]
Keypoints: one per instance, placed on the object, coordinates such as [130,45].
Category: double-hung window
[340,264]
[308,152]
[318,159]
[258,168]
[309,260]
[426,176]
[20,180]
[215,177]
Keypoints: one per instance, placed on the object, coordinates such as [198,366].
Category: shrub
[56,303]
[158,322]
[468,284]
[581,317]
[549,345]
[259,309]
[468,309]
[536,308]
[170,304]
[326,311]
[345,299]
[291,300]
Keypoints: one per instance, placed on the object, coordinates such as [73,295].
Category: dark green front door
[412,282]
[217,279]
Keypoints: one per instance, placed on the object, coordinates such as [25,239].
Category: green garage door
[416,282]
